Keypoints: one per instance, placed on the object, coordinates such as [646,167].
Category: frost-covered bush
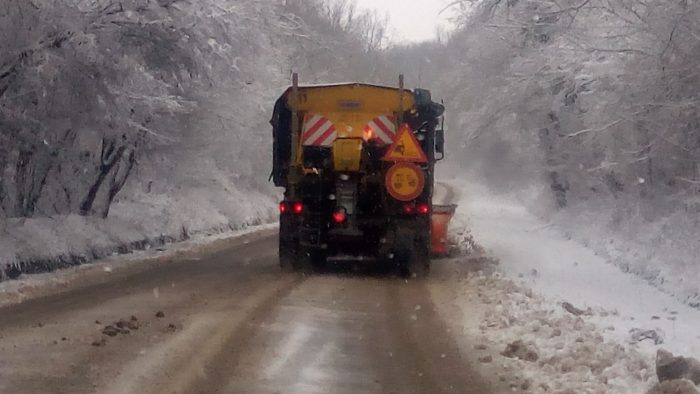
[593,97]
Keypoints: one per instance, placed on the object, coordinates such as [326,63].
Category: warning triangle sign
[406,148]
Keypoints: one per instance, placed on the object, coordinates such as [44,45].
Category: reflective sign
[383,128]
[318,131]
[406,148]
[405,181]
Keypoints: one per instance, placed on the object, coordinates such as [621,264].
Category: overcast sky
[411,20]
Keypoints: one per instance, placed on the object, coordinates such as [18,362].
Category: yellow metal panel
[351,107]
[352,98]
[347,154]
[350,124]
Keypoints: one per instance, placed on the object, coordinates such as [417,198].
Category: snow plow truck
[356,162]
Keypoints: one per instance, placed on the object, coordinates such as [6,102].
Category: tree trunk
[117,183]
[3,164]
[22,175]
[38,181]
[109,157]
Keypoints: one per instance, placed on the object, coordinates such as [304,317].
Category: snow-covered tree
[98,96]
[596,97]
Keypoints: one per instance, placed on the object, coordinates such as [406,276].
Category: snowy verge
[551,315]
[658,243]
[539,256]
[663,250]
[527,343]
[28,287]
[30,246]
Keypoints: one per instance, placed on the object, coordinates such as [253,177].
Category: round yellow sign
[405,181]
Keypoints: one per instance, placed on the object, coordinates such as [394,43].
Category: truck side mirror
[440,143]
[423,98]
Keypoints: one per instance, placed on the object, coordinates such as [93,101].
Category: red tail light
[297,208]
[423,209]
[339,217]
[413,209]
[284,207]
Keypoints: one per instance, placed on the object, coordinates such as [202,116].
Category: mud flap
[412,255]
[288,245]
[311,260]
[287,254]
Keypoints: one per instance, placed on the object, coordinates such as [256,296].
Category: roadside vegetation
[587,110]
[126,124]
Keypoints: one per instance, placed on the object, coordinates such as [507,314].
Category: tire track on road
[199,359]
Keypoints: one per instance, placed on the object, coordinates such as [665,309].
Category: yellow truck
[357,165]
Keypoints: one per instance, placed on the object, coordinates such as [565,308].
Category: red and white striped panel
[318,131]
[384,128]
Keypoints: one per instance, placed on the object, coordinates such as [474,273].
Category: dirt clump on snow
[519,349]
[557,348]
[576,311]
[486,359]
[111,331]
[131,324]
[122,326]
[639,335]
[676,386]
[172,328]
[670,367]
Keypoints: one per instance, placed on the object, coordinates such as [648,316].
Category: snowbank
[540,256]
[530,344]
[201,168]
[28,287]
[663,251]
[543,313]
[46,244]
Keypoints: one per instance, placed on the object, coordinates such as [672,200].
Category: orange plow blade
[440,221]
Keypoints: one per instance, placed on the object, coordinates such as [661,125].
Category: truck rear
[357,165]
